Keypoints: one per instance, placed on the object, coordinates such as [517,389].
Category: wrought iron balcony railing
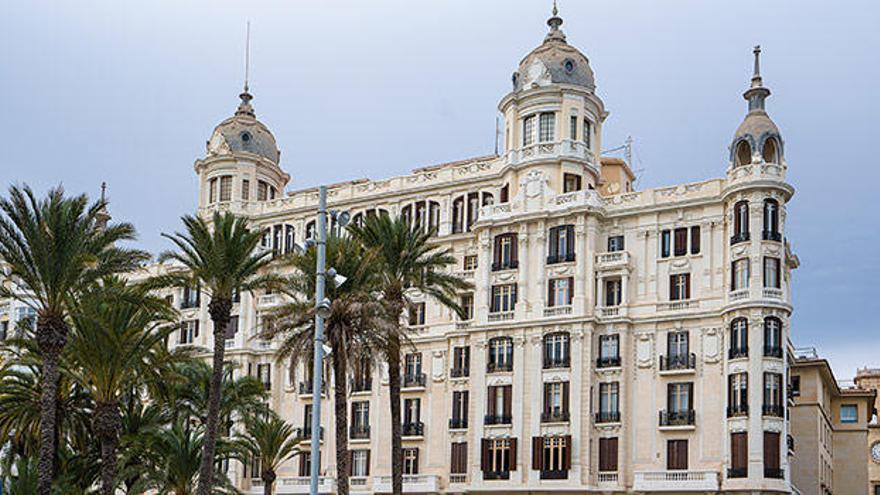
[678,418]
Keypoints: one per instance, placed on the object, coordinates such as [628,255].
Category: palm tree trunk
[340,406]
[107,425]
[396,425]
[219,308]
[51,338]
[268,482]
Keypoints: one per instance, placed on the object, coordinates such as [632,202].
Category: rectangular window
[773,395]
[360,463]
[679,397]
[470,262]
[467,305]
[739,455]
[417,314]
[771,455]
[501,354]
[665,243]
[771,272]
[849,413]
[740,274]
[264,374]
[412,411]
[528,136]
[461,361]
[608,400]
[360,415]
[588,134]
[561,244]
[677,455]
[573,128]
[571,183]
[413,364]
[190,299]
[496,459]
[608,454]
[460,399]
[613,292]
[503,298]
[189,331]
[499,405]
[410,461]
[459,458]
[245,189]
[795,386]
[547,127]
[551,456]
[677,344]
[212,190]
[738,394]
[557,350]
[609,346]
[505,255]
[262,190]
[680,287]
[695,240]
[681,238]
[556,401]
[559,292]
[615,243]
[231,327]
[226,188]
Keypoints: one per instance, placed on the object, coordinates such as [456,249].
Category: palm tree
[117,342]
[350,330]
[222,258]
[55,246]
[270,441]
[407,261]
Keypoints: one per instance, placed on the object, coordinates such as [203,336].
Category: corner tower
[552,116]
[241,165]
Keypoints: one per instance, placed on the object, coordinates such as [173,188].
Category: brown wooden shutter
[569,238]
[570,290]
[691,402]
[547,398]
[687,285]
[484,455]
[513,454]
[677,454]
[695,240]
[566,458]
[465,396]
[565,399]
[672,288]
[496,253]
[608,454]
[508,400]
[514,246]
[490,406]
[537,453]
[771,450]
[551,294]
[739,450]
[416,462]
[554,242]
[368,463]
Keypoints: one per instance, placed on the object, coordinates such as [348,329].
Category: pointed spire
[554,22]
[757,93]
[103,216]
[245,108]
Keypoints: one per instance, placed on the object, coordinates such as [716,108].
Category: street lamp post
[318,364]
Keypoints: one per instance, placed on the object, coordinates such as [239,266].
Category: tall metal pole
[318,365]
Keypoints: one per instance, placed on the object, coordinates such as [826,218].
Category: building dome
[554,62]
[757,138]
[243,133]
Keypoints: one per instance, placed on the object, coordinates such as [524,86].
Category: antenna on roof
[247,56]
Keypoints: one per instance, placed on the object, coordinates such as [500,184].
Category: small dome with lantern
[757,139]
[243,133]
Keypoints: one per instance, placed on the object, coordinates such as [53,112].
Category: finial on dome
[554,22]
[756,78]
[103,217]
[245,108]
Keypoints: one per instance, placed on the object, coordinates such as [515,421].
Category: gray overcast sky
[128,92]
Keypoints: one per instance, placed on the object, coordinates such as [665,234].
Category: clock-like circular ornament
[875,452]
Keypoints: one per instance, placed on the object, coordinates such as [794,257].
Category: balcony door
[677,455]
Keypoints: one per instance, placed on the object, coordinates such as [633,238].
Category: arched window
[740,222]
[771,220]
[739,338]
[556,350]
[772,337]
[458,215]
[310,230]
[743,153]
[488,199]
[500,354]
[770,151]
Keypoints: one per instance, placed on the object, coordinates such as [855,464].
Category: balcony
[738,295]
[560,258]
[412,483]
[307,387]
[300,484]
[359,432]
[496,475]
[305,433]
[555,417]
[457,479]
[574,149]
[678,362]
[413,429]
[184,304]
[413,380]
[740,237]
[496,419]
[680,305]
[769,235]
[676,481]
[555,362]
[497,316]
[458,424]
[738,352]
[505,265]
[774,410]
[268,300]
[554,475]
[608,362]
[607,417]
[361,386]
[607,478]
[611,260]
[737,410]
[611,311]
[772,351]
[677,418]
[499,367]
[557,311]
[772,293]
[460,372]
[775,473]
[738,472]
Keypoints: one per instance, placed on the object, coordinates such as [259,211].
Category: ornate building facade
[617,341]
